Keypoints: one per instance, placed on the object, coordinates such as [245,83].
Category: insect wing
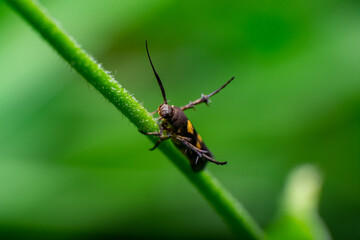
[192,137]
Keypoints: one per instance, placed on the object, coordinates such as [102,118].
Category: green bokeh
[71,165]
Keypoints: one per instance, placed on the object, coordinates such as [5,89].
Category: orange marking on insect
[198,145]
[190,127]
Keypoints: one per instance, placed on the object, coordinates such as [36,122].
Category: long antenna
[156,75]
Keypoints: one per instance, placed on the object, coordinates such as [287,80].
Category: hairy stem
[231,211]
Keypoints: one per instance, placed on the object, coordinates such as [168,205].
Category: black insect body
[175,125]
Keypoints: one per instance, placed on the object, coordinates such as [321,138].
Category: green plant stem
[232,212]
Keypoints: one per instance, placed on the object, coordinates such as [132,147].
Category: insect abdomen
[197,163]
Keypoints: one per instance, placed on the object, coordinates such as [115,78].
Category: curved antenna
[156,75]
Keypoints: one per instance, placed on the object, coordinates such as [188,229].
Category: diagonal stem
[231,210]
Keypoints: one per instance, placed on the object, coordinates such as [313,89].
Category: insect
[176,126]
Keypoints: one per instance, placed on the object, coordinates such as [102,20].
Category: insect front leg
[162,138]
[205,98]
[154,112]
[160,134]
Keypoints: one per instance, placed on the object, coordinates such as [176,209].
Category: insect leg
[154,112]
[186,142]
[151,133]
[159,134]
[214,161]
[205,98]
[162,138]
[199,152]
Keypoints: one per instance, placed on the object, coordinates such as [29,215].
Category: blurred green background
[72,166]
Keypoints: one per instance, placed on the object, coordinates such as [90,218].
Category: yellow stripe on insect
[199,138]
[198,145]
[190,127]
